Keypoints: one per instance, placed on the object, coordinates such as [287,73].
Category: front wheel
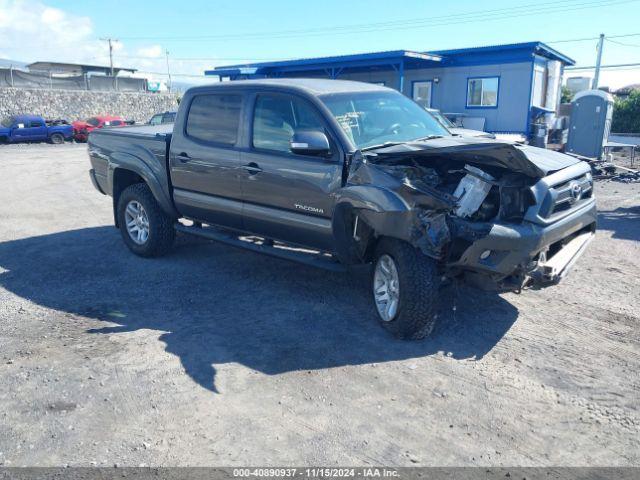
[144,227]
[405,289]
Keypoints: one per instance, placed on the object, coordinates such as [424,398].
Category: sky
[202,34]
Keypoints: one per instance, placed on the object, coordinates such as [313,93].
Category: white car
[462,132]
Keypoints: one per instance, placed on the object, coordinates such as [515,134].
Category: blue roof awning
[396,60]
[382,60]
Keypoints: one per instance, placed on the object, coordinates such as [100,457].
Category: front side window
[169,118]
[277,117]
[94,122]
[375,118]
[36,124]
[214,118]
[482,92]
[155,120]
[116,123]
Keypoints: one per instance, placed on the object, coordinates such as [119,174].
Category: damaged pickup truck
[355,174]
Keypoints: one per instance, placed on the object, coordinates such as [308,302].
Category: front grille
[566,196]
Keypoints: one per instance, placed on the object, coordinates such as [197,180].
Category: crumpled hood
[4,130]
[530,161]
[79,125]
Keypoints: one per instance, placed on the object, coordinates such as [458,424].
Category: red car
[81,128]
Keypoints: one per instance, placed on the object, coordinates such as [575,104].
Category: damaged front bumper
[512,256]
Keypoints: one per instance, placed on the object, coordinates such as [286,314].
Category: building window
[422,93]
[482,92]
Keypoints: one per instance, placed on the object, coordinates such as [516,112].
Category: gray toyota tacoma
[336,173]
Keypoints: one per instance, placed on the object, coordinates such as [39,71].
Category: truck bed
[164,130]
[118,147]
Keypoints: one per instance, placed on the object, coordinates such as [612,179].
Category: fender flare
[386,214]
[127,161]
[378,209]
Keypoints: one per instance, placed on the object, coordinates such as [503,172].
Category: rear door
[288,196]
[205,162]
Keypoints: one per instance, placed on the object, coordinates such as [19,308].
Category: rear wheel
[405,289]
[57,138]
[144,227]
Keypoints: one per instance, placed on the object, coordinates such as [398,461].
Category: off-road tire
[161,230]
[419,284]
[57,138]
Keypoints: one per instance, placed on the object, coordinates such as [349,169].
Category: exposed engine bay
[448,198]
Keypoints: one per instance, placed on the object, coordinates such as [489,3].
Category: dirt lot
[215,356]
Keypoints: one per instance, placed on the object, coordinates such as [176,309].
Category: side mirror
[20,125]
[310,142]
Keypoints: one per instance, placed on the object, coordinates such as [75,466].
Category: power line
[453,19]
[608,38]
[623,44]
[614,66]
[401,23]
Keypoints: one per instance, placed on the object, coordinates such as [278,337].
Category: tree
[566,95]
[626,114]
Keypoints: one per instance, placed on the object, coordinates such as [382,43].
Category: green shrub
[626,114]
[566,95]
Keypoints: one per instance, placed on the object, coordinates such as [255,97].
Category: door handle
[183,157]
[252,168]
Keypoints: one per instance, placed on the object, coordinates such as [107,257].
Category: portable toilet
[590,123]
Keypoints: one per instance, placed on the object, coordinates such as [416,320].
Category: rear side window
[214,118]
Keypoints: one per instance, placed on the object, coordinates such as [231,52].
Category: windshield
[7,122]
[375,118]
[441,118]
[94,122]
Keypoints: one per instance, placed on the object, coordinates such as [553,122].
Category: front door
[205,162]
[422,92]
[33,130]
[287,196]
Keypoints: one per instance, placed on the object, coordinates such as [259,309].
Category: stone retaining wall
[79,104]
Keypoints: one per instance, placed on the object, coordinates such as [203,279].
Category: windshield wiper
[428,137]
[382,145]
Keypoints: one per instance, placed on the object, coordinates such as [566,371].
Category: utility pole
[110,40]
[168,71]
[596,76]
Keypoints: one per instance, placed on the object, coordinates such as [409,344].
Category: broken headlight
[514,201]
[489,207]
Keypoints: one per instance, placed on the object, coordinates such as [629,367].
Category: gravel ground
[216,356]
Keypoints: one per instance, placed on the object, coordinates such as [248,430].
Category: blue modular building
[501,88]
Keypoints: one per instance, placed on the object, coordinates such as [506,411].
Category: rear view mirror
[310,142]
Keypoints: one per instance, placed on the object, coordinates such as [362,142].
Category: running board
[312,258]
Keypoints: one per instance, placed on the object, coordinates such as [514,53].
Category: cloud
[154,51]
[32,31]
